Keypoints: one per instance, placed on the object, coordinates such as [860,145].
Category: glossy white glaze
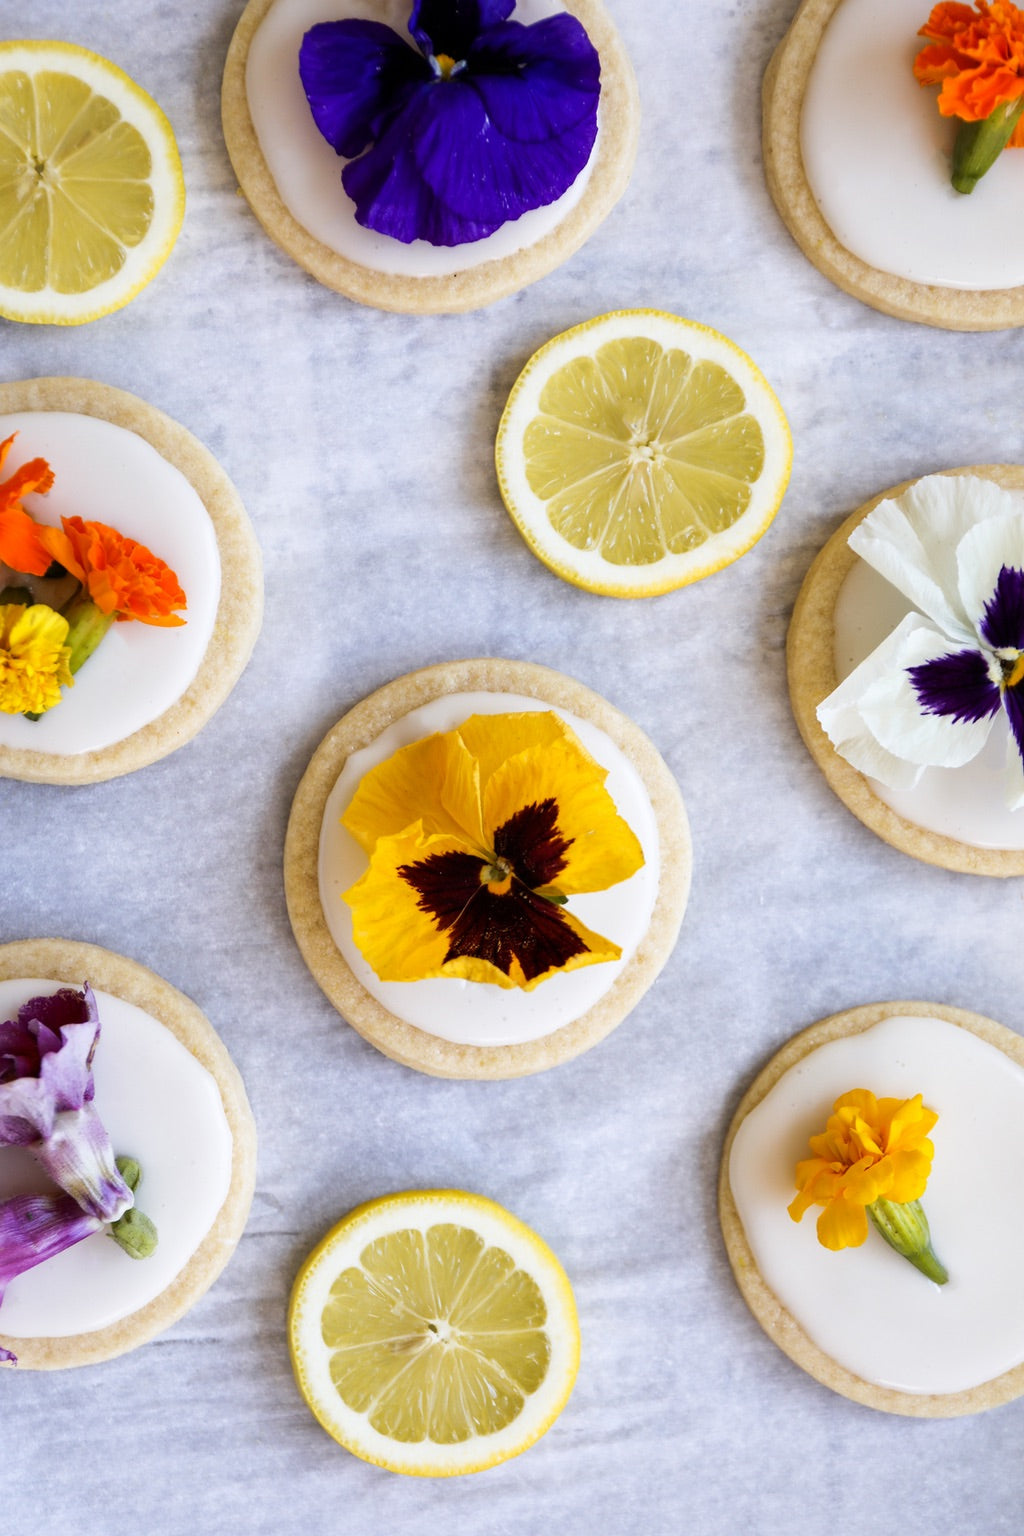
[109,475]
[159,1106]
[867,1307]
[964,803]
[473,1012]
[307,172]
[877,155]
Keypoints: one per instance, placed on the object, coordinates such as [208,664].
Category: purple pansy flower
[932,692]
[489,119]
[34,1228]
[46,1092]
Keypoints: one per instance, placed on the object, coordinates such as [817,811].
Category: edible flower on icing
[122,577]
[488,119]
[34,658]
[34,1228]
[21,547]
[46,1094]
[872,1161]
[977,55]
[477,838]
[933,691]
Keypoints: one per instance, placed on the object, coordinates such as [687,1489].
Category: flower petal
[432,782]
[841,718]
[355,75]
[597,848]
[909,1174]
[34,1228]
[493,739]
[995,606]
[956,685]
[913,542]
[394,934]
[1013,703]
[21,546]
[893,713]
[449,26]
[842,1224]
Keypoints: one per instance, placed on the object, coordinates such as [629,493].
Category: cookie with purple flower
[429,155]
[127,1154]
[906,667]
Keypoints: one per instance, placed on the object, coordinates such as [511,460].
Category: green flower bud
[905,1229]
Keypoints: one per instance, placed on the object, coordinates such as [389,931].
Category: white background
[361,443]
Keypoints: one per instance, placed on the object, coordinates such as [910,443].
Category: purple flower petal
[34,1228]
[1003,620]
[1013,703]
[449,26]
[957,685]
[356,76]
[538,82]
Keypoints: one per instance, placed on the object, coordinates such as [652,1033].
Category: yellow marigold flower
[476,840]
[33,658]
[871,1149]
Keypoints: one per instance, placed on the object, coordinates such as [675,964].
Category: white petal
[840,718]
[912,541]
[894,716]
[1014,780]
[981,555]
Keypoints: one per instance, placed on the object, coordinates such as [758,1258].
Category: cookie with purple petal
[127,1154]
[906,667]
[429,156]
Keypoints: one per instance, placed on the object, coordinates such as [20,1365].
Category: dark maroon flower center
[35,1033]
[490,908]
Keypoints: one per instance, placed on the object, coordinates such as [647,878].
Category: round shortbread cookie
[778,1323]
[239,611]
[63,960]
[785,85]
[477,286]
[810,663]
[404,1042]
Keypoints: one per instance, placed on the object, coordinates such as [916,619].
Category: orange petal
[21,545]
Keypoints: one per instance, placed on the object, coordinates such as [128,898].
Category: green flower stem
[979,145]
[133,1231]
[905,1229]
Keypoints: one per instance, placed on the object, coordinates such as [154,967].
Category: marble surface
[361,443]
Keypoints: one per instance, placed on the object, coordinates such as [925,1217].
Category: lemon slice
[639,452]
[433,1333]
[91,191]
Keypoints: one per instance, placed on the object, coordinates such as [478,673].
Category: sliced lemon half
[433,1333]
[91,191]
[640,451]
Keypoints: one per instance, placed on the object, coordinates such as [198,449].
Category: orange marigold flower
[120,576]
[978,58]
[20,544]
[871,1149]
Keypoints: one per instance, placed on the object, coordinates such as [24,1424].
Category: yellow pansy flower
[33,658]
[477,838]
[871,1149]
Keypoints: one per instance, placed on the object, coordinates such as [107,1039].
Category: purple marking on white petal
[1003,620]
[450,26]
[356,76]
[1013,703]
[34,1228]
[957,686]
[78,1156]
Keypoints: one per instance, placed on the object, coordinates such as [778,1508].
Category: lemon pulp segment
[433,1333]
[436,1336]
[639,451]
[91,195]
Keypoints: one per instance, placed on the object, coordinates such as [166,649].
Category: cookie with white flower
[869,1226]
[127,1154]
[131,583]
[486,867]
[906,667]
[900,194]
[429,156]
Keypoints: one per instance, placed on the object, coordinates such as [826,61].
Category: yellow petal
[909,1174]
[842,1224]
[602,850]
[492,739]
[394,935]
[867,1180]
[433,781]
